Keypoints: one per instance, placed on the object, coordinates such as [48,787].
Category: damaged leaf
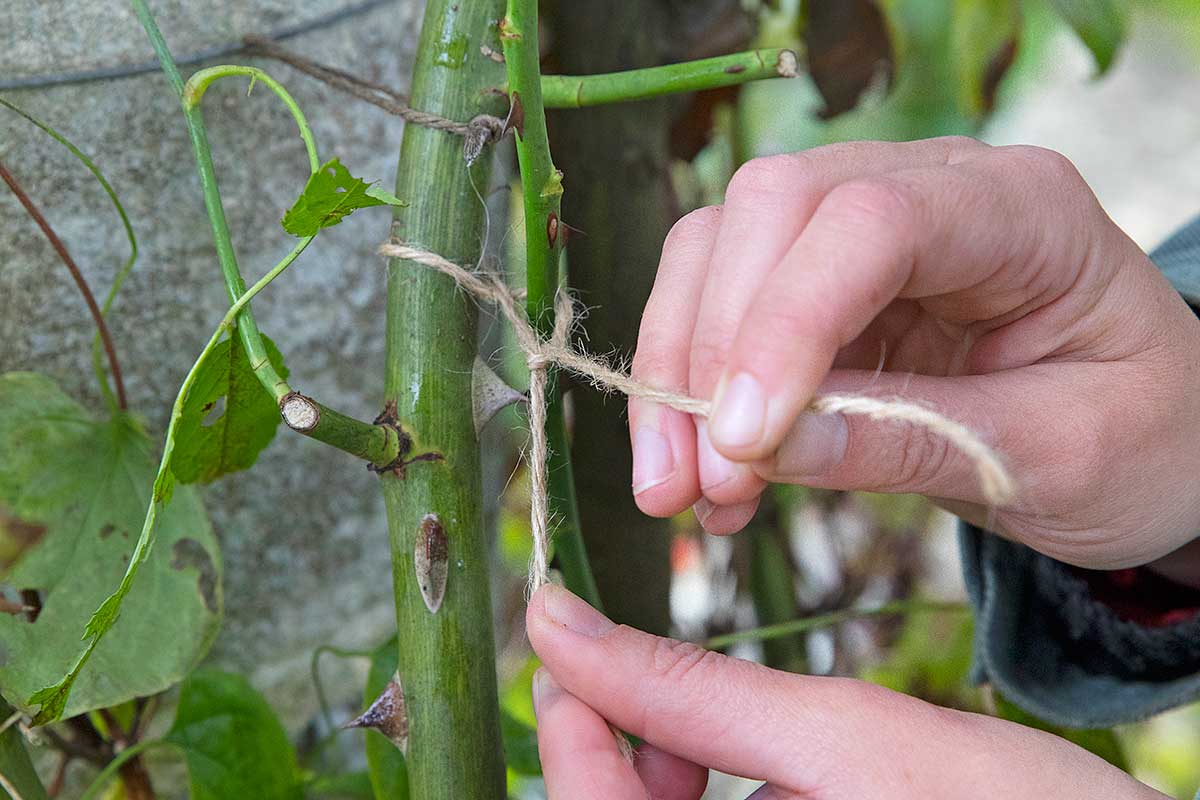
[89,482]
[849,49]
[228,417]
[330,195]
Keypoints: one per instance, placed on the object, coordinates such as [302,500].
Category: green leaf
[233,744]
[86,485]
[520,745]
[329,195]
[1099,23]
[385,762]
[15,764]
[1102,741]
[983,44]
[212,441]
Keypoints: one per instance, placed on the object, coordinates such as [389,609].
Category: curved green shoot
[53,699]
[97,361]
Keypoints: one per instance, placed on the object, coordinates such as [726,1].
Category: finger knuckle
[692,226]
[682,663]
[873,203]
[1049,165]
[763,176]
[708,355]
[924,457]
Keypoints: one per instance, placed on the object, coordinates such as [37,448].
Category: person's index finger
[949,236]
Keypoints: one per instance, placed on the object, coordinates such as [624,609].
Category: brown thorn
[84,289]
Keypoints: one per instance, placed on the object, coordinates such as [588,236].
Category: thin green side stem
[542,193]
[579,91]
[102,779]
[234,284]
[807,624]
[370,442]
[126,268]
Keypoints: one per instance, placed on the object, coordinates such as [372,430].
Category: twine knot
[995,483]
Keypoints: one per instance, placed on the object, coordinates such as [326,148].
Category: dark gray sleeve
[1046,643]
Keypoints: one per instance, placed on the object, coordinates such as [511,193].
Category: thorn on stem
[386,715]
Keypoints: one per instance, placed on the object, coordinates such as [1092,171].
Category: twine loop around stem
[996,485]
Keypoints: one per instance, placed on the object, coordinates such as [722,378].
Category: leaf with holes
[228,417]
[331,194]
[233,743]
[1099,23]
[86,485]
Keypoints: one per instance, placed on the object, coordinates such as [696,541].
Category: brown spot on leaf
[190,554]
[552,228]
[734,69]
[431,557]
[848,49]
[107,530]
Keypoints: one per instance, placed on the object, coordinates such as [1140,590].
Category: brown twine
[480,131]
[996,484]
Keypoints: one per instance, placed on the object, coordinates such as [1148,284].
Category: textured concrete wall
[304,537]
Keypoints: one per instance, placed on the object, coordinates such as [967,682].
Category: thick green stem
[578,91]
[544,237]
[446,656]
[807,624]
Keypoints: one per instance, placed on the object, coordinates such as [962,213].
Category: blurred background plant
[1109,84]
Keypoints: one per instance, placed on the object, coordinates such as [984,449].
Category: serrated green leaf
[233,743]
[206,447]
[1099,23]
[385,762]
[329,195]
[88,484]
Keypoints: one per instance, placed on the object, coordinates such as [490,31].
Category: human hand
[808,737]
[997,291]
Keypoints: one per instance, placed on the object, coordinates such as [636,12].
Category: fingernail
[569,611]
[715,469]
[815,445]
[653,459]
[545,690]
[703,509]
[740,414]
